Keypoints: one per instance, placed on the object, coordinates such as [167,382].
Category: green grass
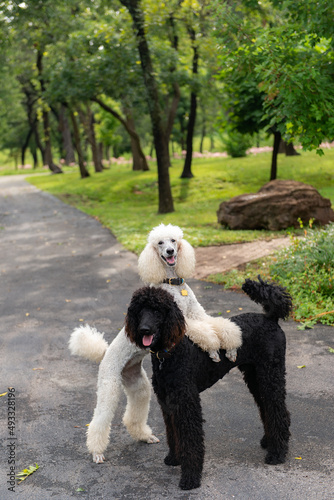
[10,165]
[127,201]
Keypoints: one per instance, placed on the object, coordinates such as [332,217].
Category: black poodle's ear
[132,315]
[174,324]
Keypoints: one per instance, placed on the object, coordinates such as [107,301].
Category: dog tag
[184,293]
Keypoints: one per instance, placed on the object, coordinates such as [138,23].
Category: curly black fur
[180,376]
[167,314]
[276,301]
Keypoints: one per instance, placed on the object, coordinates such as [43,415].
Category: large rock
[277,205]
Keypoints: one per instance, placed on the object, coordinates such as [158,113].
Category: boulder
[277,205]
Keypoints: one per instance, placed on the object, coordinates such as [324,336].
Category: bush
[306,269]
[237,144]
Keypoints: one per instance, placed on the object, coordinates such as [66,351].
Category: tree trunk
[48,160]
[139,161]
[34,155]
[55,169]
[66,136]
[159,134]
[130,131]
[277,140]
[203,133]
[187,173]
[83,171]
[290,150]
[171,112]
[24,146]
[87,120]
[287,148]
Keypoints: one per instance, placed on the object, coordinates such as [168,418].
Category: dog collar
[174,281]
[161,354]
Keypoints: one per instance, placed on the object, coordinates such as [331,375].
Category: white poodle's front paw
[152,439]
[231,354]
[98,458]
[214,355]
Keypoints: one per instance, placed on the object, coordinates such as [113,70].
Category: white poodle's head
[166,248]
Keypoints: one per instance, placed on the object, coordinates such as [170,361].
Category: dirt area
[218,259]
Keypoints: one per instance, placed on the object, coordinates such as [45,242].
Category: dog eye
[160,243]
[173,241]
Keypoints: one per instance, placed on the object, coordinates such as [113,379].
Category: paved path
[59,267]
[219,259]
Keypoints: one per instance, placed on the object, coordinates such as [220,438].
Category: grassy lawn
[127,201]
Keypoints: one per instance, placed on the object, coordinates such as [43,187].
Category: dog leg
[172,457]
[204,336]
[275,415]
[109,387]
[188,425]
[229,335]
[138,390]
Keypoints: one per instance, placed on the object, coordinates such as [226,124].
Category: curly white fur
[88,343]
[121,366]
[166,255]
[209,333]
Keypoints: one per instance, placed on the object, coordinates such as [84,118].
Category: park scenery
[118,116]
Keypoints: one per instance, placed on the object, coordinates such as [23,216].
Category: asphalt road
[60,268]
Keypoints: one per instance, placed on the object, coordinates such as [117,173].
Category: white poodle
[166,261]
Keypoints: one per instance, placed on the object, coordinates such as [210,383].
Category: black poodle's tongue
[147,340]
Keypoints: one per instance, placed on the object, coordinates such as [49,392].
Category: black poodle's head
[154,320]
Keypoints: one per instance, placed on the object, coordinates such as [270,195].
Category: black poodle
[181,370]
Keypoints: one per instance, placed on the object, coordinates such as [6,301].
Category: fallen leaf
[68,300]
[228,311]
[27,314]
[27,472]
[3,394]
[80,319]
[87,425]
[40,368]
[298,458]
[108,281]
[331,350]
[301,366]
[240,308]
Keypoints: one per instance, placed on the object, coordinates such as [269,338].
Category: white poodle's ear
[186,261]
[150,267]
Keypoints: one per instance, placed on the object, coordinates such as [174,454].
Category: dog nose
[170,251]
[144,330]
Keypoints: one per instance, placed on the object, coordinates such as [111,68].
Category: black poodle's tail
[275,300]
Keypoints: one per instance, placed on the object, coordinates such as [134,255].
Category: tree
[287,53]
[159,131]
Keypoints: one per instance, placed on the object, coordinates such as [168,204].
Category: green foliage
[21,476]
[306,267]
[237,144]
[278,68]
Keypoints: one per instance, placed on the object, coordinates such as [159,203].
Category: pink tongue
[147,340]
[171,260]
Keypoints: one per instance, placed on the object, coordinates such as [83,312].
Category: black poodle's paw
[264,442]
[189,482]
[171,460]
[275,458]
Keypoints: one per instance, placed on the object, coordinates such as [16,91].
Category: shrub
[237,144]
[306,269]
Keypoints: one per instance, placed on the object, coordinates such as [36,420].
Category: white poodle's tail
[88,343]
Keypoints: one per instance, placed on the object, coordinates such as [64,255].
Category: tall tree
[278,69]
[158,129]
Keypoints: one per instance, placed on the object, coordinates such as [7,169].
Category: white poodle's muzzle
[168,251]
